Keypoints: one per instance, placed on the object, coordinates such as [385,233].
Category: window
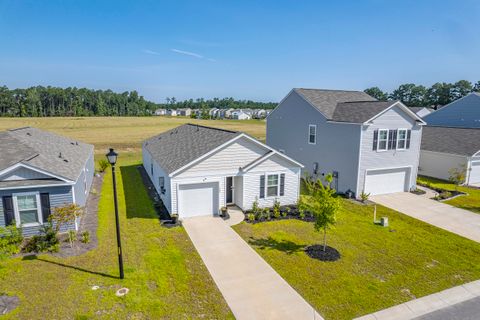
[161,184]
[272,185]
[402,139]
[151,168]
[28,209]
[382,139]
[312,134]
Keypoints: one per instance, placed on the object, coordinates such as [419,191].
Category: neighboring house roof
[359,112]
[180,146]
[451,140]
[326,100]
[49,152]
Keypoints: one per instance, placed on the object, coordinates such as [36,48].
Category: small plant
[301,214]
[251,217]
[276,209]
[364,196]
[284,213]
[255,207]
[266,213]
[47,241]
[458,175]
[103,165]
[10,240]
[85,237]
[72,236]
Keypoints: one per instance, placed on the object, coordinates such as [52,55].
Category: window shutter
[375,139]
[262,186]
[390,139]
[409,133]
[8,210]
[45,203]
[394,140]
[282,184]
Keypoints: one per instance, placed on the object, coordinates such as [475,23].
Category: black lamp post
[112,158]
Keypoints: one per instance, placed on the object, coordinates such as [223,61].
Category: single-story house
[447,148]
[160,112]
[463,113]
[368,145]
[40,170]
[197,170]
[184,112]
[172,112]
[421,111]
[240,115]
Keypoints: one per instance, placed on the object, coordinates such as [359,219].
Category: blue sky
[246,49]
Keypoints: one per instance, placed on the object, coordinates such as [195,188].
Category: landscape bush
[103,165]
[10,240]
[46,241]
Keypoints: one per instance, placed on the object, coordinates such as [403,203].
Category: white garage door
[386,181]
[197,199]
[475,172]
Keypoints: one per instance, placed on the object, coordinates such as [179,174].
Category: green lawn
[165,274]
[470,201]
[380,267]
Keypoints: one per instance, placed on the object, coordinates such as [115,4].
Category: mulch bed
[89,222]
[316,252]
[8,303]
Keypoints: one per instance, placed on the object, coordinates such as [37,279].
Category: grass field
[470,201]
[166,276]
[380,267]
[124,133]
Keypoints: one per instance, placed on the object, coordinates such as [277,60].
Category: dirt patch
[316,252]
[8,303]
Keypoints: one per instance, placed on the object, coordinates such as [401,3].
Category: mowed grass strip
[166,276]
[380,267]
[125,133]
[470,201]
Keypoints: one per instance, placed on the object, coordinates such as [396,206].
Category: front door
[229,190]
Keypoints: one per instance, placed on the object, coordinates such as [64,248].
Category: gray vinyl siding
[158,172]
[336,148]
[81,194]
[59,196]
[464,113]
[437,164]
[23,173]
[394,118]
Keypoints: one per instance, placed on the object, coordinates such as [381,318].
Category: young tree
[322,202]
[65,215]
[458,175]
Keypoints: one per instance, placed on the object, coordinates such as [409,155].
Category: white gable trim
[24,165]
[243,135]
[403,107]
[476,154]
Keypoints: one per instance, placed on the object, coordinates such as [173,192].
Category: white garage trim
[473,172]
[198,199]
[406,181]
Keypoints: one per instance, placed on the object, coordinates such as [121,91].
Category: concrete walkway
[462,222]
[427,305]
[252,289]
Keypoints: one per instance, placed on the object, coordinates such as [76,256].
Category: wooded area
[439,94]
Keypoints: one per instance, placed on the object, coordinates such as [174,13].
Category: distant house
[463,113]
[240,115]
[172,112]
[447,148]
[39,171]
[421,111]
[259,114]
[160,112]
[197,170]
[213,113]
[185,112]
[368,145]
[226,113]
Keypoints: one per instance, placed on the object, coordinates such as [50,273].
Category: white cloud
[147,51]
[188,53]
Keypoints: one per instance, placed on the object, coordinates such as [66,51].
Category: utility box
[384,221]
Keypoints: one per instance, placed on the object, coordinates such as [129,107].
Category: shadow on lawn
[138,199]
[34,257]
[286,246]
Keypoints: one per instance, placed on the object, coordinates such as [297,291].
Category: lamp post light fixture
[112,159]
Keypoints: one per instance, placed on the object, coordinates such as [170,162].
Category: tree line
[224,103]
[52,101]
[439,94]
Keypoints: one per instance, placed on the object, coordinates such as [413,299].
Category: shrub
[251,217]
[255,207]
[301,214]
[364,196]
[85,237]
[47,241]
[284,213]
[266,213]
[103,165]
[10,240]
[71,237]
[276,212]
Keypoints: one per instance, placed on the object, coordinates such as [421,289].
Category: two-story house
[370,146]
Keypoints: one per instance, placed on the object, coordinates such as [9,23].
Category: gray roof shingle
[451,140]
[359,112]
[179,146]
[44,150]
[326,100]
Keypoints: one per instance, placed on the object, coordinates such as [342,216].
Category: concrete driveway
[462,222]
[252,289]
